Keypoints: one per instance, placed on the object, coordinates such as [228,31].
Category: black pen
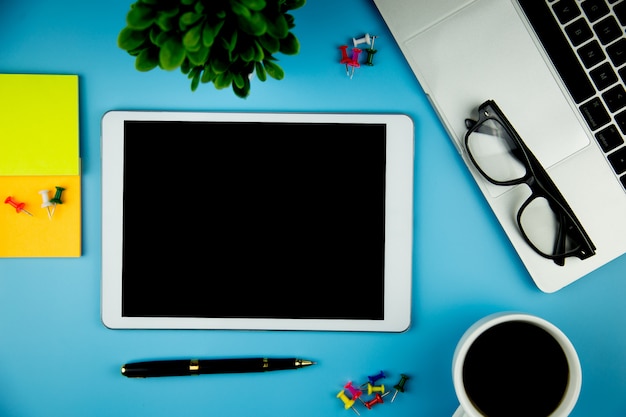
[183,367]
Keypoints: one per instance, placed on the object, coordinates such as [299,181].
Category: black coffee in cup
[515,368]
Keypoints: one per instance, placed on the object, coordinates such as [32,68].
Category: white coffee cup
[516,356]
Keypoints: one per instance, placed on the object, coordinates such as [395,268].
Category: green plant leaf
[291,21]
[239,9]
[256,5]
[278,27]
[187,19]
[171,55]
[290,45]
[259,54]
[271,44]
[140,16]
[242,92]
[255,25]
[207,75]
[238,80]
[218,64]
[187,2]
[247,54]
[185,67]
[229,41]
[165,22]
[196,79]
[192,38]
[260,71]
[198,57]
[292,4]
[147,60]
[129,39]
[223,80]
[273,70]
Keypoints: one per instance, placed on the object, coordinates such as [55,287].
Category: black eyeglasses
[545,220]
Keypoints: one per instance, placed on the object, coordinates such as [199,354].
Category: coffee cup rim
[575,375]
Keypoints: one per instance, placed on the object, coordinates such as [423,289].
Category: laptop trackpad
[484,52]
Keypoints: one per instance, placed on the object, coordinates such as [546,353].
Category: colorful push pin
[373,378]
[378,399]
[365,39]
[19,207]
[57,198]
[354,62]
[345,59]
[347,402]
[399,386]
[46,203]
[370,53]
[355,392]
[373,388]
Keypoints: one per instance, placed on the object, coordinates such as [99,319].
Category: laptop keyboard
[585,39]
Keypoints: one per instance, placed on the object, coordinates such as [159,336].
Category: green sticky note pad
[39,125]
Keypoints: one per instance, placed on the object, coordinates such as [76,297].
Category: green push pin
[56,199]
[399,386]
[370,53]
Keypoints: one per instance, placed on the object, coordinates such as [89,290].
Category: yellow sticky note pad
[39,132]
[22,235]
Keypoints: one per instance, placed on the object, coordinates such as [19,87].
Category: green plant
[218,41]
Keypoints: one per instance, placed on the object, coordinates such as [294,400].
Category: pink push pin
[354,62]
[345,59]
[19,207]
[378,399]
[355,392]
[347,402]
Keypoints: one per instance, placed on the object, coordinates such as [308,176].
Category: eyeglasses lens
[494,152]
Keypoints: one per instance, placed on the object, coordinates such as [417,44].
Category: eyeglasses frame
[540,184]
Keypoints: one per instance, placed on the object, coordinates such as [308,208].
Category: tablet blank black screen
[254,220]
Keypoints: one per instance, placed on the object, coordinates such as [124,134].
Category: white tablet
[273,221]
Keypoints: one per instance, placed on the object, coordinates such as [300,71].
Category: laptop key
[607,30]
[617,52]
[609,138]
[594,9]
[579,32]
[615,98]
[566,10]
[603,76]
[620,119]
[591,54]
[595,114]
[620,12]
[618,160]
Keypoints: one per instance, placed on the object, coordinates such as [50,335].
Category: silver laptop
[569,110]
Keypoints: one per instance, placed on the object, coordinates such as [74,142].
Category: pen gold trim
[194,367]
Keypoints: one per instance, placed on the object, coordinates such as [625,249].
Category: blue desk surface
[56,357]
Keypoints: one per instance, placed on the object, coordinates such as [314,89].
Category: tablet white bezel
[398,224]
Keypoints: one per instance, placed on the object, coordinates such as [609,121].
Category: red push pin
[354,62]
[345,59]
[19,207]
[378,399]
